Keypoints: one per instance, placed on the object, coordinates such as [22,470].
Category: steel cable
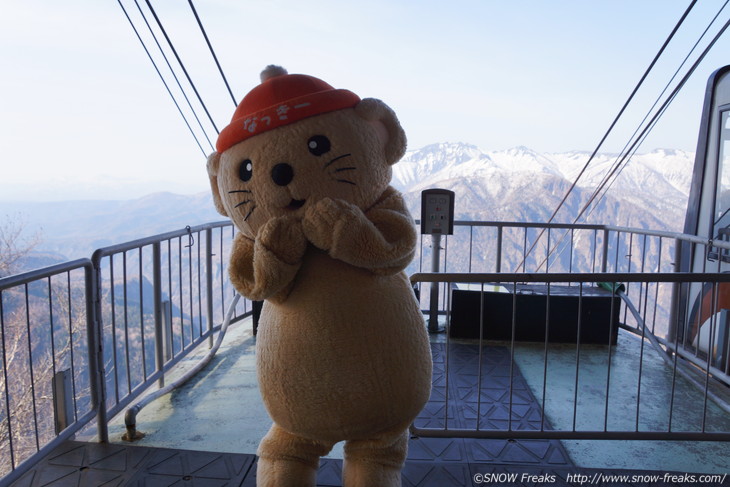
[627,154]
[182,65]
[212,52]
[154,64]
[610,129]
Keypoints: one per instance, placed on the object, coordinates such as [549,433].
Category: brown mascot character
[303,170]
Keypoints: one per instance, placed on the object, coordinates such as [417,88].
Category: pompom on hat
[281,99]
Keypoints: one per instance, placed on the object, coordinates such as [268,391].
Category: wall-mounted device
[437,218]
[437,212]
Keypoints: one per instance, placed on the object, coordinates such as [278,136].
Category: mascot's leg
[287,460]
[377,461]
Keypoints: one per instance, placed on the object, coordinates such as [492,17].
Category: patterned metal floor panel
[79,464]
[432,462]
[500,388]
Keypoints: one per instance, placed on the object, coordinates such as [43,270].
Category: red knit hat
[281,99]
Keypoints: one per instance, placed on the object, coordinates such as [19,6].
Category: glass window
[722,198]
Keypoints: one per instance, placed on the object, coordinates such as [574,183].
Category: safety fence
[81,341]
[84,339]
[49,345]
[569,356]
[532,248]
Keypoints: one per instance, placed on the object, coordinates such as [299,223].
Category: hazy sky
[84,115]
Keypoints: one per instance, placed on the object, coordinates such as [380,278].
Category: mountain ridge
[516,184]
[519,184]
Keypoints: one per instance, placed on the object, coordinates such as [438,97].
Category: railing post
[167,329]
[499,249]
[209,282]
[604,253]
[674,316]
[97,379]
[159,325]
[433,317]
[62,400]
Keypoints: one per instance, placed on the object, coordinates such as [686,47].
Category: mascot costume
[342,353]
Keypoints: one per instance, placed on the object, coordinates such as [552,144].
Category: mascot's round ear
[212,166]
[374,110]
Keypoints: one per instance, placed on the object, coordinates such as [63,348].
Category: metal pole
[499,249]
[209,281]
[604,254]
[167,329]
[95,345]
[433,317]
[159,330]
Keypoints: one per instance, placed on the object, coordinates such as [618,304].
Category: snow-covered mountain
[520,184]
[510,185]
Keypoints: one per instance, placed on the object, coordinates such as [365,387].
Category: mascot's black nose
[282,174]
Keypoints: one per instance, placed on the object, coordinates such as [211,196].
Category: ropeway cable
[645,132]
[182,65]
[144,46]
[212,51]
[610,129]
[625,154]
[620,162]
[174,75]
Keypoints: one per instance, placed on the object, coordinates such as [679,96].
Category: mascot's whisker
[345,169]
[345,181]
[335,160]
[239,191]
[249,213]
[243,203]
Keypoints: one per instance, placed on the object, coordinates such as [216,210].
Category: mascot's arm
[265,268]
[382,239]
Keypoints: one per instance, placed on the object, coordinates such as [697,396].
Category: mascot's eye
[318,145]
[245,170]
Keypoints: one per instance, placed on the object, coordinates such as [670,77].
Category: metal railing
[83,340]
[158,298]
[584,389]
[498,247]
[489,246]
[48,337]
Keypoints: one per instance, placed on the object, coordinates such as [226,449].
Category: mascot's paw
[284,237]
[323,219]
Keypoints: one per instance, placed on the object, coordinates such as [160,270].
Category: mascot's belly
[346,355]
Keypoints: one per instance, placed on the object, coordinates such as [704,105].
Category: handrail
[142,242]
[588,226]
[457,277]
[42,273]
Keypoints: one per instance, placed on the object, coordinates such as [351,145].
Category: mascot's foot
[375,462]
[286,460]
[284,473]
[357,474]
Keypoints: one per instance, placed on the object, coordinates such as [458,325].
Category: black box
[529,305]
